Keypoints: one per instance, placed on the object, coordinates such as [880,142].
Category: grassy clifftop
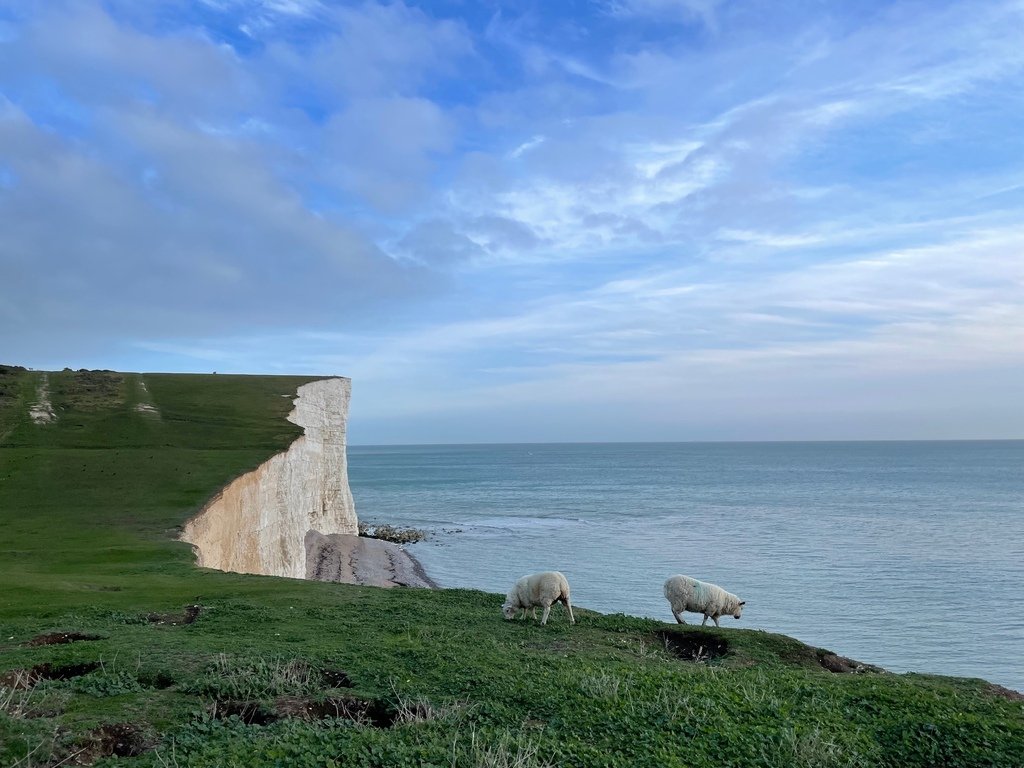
[115,648]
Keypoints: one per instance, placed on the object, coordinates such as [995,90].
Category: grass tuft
[504,750]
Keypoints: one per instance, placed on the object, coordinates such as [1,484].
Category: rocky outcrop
[258,523]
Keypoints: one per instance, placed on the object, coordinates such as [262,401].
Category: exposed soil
[358,710]
[59,638]
[49,672]
[693,645]
[18,679]
[188,616]
[362,711]
[844,666]
[159,680]
[112,740]
[249,712]
[336,678]
[42,411]
[23,679]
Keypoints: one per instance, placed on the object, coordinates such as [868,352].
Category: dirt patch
[841,665]
[112,740]
[693,645]
[249,712]
[159,680]
[59,638]
[188,616]
[336,678]
[362,711]
[49,672]
[1003,693]
[27,678]
[147,409]
[18,679]
[41,411]
[368,712]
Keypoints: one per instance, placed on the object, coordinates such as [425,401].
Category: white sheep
[538,589]
[686,594]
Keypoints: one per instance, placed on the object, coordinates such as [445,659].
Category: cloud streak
[710,219]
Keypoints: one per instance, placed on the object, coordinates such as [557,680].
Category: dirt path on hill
[41,411]
[145,405]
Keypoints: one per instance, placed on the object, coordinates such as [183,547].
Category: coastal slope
[258,523]
[294,515]
[116,649]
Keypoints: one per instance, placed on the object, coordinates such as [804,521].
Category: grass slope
[276,672]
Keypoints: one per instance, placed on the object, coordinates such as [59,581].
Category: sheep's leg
[568,605]
[716,621]
[533,611]
[547,610]
[704,623]
[678,615]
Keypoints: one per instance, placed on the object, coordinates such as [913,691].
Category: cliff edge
[258,523]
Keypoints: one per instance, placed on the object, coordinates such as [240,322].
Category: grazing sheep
[686,594]
[538,589]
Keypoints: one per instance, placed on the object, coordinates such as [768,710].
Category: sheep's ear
[743,602]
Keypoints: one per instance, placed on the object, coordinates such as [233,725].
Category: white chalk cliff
[258,523]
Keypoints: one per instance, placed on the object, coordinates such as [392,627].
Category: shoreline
[421,572]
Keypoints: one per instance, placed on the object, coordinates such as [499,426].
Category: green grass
[277,672]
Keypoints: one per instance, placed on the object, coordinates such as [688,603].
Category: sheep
[538,589]
[686,594]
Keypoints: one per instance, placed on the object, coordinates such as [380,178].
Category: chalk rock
[258,523]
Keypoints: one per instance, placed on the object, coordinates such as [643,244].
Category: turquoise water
[909,555]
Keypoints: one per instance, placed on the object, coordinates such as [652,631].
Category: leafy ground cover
[115,649]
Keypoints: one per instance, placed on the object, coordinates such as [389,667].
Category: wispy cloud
[703,11]
[526,146]
[687,211]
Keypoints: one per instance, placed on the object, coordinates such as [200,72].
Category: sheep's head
[509,611]
[739,609]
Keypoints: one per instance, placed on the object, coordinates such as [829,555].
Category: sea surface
[909,555]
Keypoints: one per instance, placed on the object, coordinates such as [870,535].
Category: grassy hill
[115,649]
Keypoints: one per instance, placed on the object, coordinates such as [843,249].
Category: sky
[530,220]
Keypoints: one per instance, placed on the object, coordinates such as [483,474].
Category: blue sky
[530,221]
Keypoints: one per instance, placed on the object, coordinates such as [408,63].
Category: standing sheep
[538,589]
[686,594]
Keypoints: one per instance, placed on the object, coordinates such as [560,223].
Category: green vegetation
[115,649]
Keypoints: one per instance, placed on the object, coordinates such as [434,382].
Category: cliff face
[258,523]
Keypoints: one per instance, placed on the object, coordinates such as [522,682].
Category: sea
[907,555]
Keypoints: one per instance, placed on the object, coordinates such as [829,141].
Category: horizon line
[696,442]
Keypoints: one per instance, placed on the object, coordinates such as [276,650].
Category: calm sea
[909,555]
